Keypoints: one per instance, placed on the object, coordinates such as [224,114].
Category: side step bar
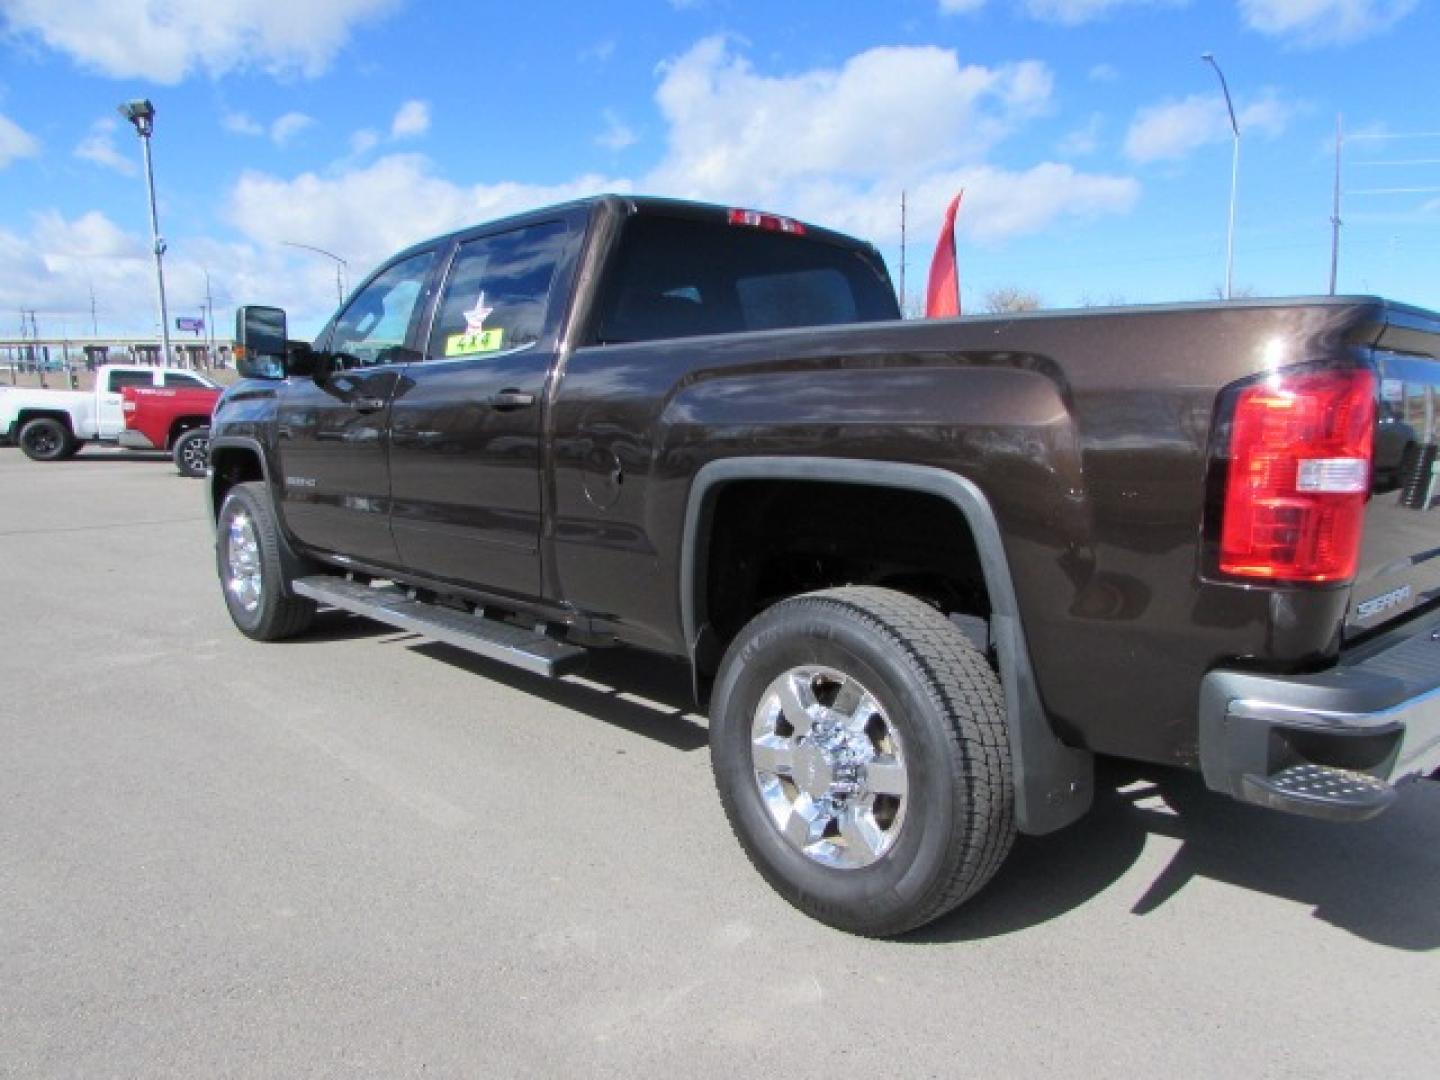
[490,638]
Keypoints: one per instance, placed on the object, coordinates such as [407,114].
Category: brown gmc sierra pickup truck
[922,571]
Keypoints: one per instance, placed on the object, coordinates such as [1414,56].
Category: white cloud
[15,142]
[837,145]
[370,212]
[363,141]
[1103,73]
[732,127]
[617,134]
[1313,23]
[600,52]
[165,40]
[411,120]
[960,7]
[99,146]
[1075,12]
[52,267]
[1173,130]
[239,123]
[830,145]
[1082,141]
[288,126]
[90,236]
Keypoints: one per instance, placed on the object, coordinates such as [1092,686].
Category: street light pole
[142,114]
[339,262]
[1209,58]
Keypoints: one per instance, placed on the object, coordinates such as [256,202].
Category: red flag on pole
[942,294]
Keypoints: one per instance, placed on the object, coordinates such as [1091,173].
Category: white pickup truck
[49,425]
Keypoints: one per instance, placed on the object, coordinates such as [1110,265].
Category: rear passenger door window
[498,293]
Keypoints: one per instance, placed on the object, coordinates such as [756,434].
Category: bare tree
[1012,298]
[1240,292]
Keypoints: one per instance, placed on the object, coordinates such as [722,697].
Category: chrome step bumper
[1331,744]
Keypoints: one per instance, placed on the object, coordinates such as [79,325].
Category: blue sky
[1090,139]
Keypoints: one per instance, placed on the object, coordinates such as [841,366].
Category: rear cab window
[119,379]
[677,277]
[180,379]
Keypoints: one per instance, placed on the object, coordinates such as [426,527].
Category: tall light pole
[339,262]
[1209,58]
[142,114]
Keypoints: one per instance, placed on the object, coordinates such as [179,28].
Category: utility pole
[902,253]
[94,321]
[209,321]
[1335,210]
[33,336]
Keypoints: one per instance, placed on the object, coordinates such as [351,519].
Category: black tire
[936,692]
[46,439]
[254,597]
[191,452]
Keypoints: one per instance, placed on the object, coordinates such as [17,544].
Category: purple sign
[193,325]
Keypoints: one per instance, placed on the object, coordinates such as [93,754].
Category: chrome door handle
[507,400]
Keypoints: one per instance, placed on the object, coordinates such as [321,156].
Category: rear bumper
[1331,744]
[135,440]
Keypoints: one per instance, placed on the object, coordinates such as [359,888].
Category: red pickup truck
[175,420]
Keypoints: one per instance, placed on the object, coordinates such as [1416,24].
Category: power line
[1397,135]
[1396,191]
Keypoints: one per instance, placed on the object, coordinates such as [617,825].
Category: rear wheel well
[232,465]
[773,539]
[181,424]
[26,415]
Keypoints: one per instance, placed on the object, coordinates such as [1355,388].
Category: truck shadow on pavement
[1377,880]
[646,695]
[88,457]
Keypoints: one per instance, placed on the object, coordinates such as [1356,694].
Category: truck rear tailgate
[1400,557]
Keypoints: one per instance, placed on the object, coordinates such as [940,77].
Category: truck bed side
[1088,435]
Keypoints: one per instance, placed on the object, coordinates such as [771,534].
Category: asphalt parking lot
[359,853]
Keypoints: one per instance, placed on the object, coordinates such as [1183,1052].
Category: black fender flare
[1054,783]
[292,564]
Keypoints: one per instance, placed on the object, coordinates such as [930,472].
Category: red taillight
[756,219]
[1299,475]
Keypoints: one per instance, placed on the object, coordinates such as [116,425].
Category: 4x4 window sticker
[475,338]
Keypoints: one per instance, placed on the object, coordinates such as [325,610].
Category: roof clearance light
[755,219]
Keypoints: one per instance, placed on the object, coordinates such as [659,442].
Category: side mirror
[261,340]
[301,359]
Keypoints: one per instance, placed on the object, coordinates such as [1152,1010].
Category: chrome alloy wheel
[242,561]
[196,454]
[830,767]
